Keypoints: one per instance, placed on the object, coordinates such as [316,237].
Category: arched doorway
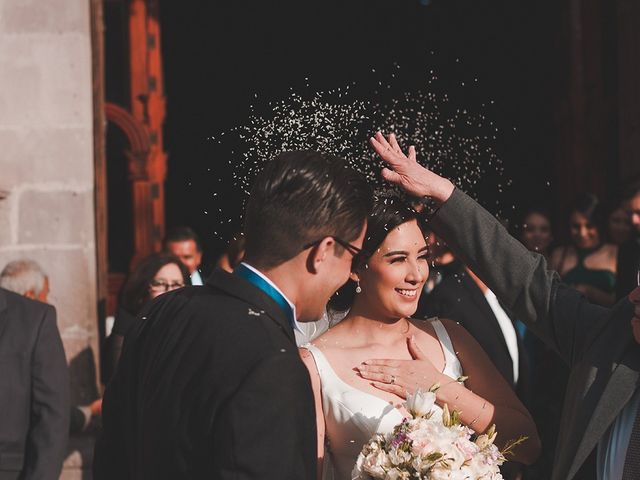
[135,197]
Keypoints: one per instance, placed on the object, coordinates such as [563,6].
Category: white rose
[467,448]
[375,464]
[421,442]
[420,403]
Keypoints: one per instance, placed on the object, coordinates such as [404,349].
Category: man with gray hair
[26,278]
[34,383]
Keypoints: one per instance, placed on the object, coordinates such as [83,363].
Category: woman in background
[156,274]
[588,264]
[536,233]
[619,224]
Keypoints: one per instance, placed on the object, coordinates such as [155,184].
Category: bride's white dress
[352,416]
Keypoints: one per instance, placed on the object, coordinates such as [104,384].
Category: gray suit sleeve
[49,429]
[560,316]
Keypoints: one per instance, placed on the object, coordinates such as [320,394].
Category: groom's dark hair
[302,197]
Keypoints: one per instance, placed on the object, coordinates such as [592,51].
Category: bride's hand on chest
[401,377]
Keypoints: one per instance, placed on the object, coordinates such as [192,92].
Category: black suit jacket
[34,390]
[209,385]
[459,298]
[596,342]
[628,265]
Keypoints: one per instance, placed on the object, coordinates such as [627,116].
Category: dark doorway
[224,58]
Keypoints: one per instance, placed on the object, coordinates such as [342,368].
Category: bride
[382,294]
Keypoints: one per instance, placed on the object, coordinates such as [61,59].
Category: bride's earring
[358,289]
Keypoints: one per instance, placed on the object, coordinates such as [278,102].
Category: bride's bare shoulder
[309,361]
[329,338]
[324,343]
[453,328]
[424,325]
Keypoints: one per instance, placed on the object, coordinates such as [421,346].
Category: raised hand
[402,376]
[404,170]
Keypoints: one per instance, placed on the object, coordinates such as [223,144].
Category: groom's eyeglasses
[352,249]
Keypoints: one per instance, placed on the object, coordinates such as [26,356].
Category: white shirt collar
[196,278]
[508,331]
[296,324]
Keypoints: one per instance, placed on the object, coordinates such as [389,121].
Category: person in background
[464,298]
[441,265]
[26,278]
[588,264]
[34,378]
[619,224]
[536,233]
[156,274]
[629,253]
[233,255]
[547,372]
[185,244]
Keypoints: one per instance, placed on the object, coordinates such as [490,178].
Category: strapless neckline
[316,351]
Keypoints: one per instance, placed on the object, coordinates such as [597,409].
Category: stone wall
[46,165]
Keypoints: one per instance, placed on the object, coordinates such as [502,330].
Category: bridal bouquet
[429,446]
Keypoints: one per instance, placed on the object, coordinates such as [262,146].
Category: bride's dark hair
[389,211]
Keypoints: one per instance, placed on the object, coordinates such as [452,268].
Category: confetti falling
[452,141]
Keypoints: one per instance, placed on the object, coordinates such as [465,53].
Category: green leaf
[434,457]
[455,417]
[511,444]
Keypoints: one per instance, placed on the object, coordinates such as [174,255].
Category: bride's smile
[411,294]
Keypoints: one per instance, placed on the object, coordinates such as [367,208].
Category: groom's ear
[319,254]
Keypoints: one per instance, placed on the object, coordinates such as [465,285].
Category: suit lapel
[261,302]
[619,389]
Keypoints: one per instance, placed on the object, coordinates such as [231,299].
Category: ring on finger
[393,379]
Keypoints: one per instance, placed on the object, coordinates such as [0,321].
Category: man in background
[185,244]
[34,379]
[462,296]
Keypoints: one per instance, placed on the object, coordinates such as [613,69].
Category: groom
[601,415]
[210,384]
